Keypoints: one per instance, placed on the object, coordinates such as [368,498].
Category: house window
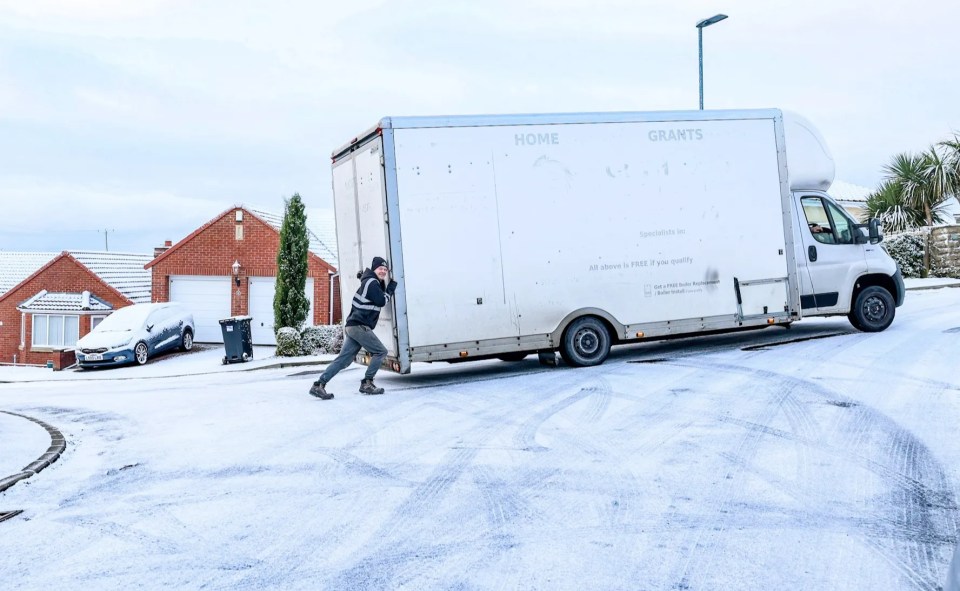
[95,320]
[55,330]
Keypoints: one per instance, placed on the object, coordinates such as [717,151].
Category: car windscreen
[125,319]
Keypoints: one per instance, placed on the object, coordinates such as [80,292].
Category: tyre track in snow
[653,410]
[923,498]
[779,400]
[360,430]
[618,489]
[372,566]
[623,487]
[898,466]
[617,492]
[358,427]
[904,463]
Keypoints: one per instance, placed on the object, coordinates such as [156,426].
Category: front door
[830,252]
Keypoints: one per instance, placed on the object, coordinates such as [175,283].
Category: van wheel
[873,310]
[517,356]
[187,342]
[853,320]
[141,353]
[586,342]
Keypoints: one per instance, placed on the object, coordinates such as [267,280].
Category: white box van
[573,232]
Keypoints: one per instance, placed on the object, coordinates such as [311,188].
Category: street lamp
[705,23]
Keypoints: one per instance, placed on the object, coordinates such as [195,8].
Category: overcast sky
[150,117]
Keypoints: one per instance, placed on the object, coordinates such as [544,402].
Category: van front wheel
[873,310]
[586,342]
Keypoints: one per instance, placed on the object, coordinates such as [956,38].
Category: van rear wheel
[586,342]
[873,310]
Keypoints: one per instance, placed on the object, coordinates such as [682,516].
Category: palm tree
[952,149]
[926,181]
[923,180]
[887,205]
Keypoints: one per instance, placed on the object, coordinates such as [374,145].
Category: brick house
[228,267]
[49,300]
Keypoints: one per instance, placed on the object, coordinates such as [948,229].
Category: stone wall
[945,251]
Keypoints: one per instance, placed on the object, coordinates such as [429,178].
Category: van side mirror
[876,236]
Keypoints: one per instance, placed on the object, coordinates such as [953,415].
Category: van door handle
[812,253]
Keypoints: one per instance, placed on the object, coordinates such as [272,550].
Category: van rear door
[359,199]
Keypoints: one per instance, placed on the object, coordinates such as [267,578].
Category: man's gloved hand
[392,287]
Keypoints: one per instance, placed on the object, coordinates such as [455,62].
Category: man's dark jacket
[371,296]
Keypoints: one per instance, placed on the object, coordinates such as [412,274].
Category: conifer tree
[290,304]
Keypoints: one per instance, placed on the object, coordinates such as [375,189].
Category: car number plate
[93,357]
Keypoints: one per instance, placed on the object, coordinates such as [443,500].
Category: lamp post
[705,23]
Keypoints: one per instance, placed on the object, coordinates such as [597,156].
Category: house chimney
[159,250]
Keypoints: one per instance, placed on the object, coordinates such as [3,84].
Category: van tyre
[140,353]
[873,310]
[586,342]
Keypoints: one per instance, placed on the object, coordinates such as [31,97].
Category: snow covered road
[756,460]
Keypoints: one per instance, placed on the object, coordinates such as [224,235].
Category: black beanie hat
[379,262]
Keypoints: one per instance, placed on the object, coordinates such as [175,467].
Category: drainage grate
[5,515]
[311,372]
[762,346]
[842,403]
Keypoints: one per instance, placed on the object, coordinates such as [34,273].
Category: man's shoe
[367,387]
[320,392]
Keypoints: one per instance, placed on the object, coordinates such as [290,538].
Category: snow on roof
[318,246]
[324,224]
[844,191]
[17,266]
[123,271]
[45,301]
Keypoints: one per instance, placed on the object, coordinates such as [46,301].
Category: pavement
[27,445]
[931,283]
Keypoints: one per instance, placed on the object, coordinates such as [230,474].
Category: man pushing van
[372,295]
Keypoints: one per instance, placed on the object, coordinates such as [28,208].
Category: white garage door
[261,308]
[208,298]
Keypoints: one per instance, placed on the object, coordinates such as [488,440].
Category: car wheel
[873,309]
[187,342]
[586,342]
[140,353]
